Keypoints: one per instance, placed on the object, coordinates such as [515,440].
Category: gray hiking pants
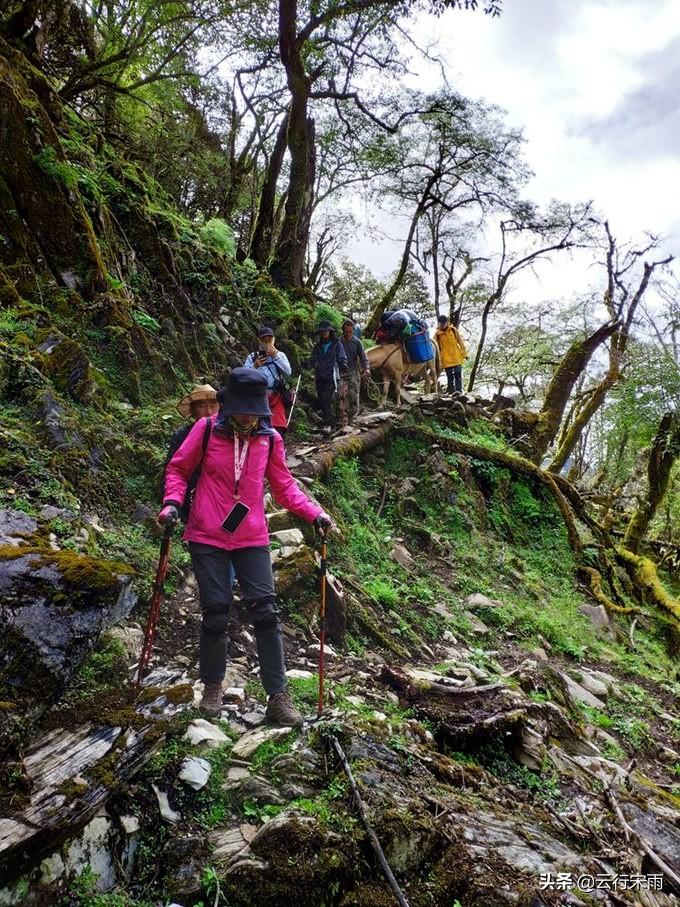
[353,393]
[253,570]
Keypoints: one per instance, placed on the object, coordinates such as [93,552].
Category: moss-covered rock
[53,606]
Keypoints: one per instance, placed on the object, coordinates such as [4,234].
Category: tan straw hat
[200,392]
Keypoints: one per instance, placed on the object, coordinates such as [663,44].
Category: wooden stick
[384,865]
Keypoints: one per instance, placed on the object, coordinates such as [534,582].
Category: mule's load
[419,347]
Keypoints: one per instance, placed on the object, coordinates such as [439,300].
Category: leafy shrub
[218,235]
[325,312]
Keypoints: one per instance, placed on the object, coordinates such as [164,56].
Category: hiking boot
[280,710]
[211,703]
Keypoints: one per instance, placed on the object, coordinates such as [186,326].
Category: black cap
[245,394]
[265,331]
[324,326]
[442,319]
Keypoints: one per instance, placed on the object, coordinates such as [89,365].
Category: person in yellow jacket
[452,352]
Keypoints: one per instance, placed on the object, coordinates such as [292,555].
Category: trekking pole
[297,388]
[156,600]
[322,616]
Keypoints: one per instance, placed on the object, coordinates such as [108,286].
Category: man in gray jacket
[329,362]
[357,365]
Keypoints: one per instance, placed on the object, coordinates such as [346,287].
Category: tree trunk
[561,385]
[263,235]
[663,454]
[580,419]
[491,301]
[289,257]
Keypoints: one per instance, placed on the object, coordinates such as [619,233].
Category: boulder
[53,607]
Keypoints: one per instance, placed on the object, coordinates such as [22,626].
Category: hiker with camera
[227,525]
[275,366]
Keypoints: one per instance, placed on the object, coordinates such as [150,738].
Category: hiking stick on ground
[361,809]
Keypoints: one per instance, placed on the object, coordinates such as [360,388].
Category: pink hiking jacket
[215,490]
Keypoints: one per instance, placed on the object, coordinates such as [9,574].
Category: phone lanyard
[239,461]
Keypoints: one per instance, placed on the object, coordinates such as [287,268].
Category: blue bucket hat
[245,394]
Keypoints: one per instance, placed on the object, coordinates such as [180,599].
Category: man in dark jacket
[329,362]
[357,366]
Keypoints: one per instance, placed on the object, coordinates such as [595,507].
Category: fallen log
[350,446]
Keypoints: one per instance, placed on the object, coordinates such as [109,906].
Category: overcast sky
[595,85]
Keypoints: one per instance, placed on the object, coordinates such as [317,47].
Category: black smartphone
[261,354]
[235,517]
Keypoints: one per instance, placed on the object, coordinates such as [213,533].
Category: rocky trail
[482,766]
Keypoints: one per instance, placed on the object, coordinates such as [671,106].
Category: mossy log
[351,446]
[562,384]
[58,804]
[643,573]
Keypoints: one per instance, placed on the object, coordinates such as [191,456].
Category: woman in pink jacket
[227,524]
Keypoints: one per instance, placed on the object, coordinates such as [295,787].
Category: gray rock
[255,789]
[288,537]
[477,600]
[253,719]
[195,772]
[227,843]
[598,617]
[589,682]
[167,812]
[476,625]
[250,741]
[402,556]
[580,693]
[49,512]
[93,848]
[15,525]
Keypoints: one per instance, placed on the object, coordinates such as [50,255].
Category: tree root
[594,583]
